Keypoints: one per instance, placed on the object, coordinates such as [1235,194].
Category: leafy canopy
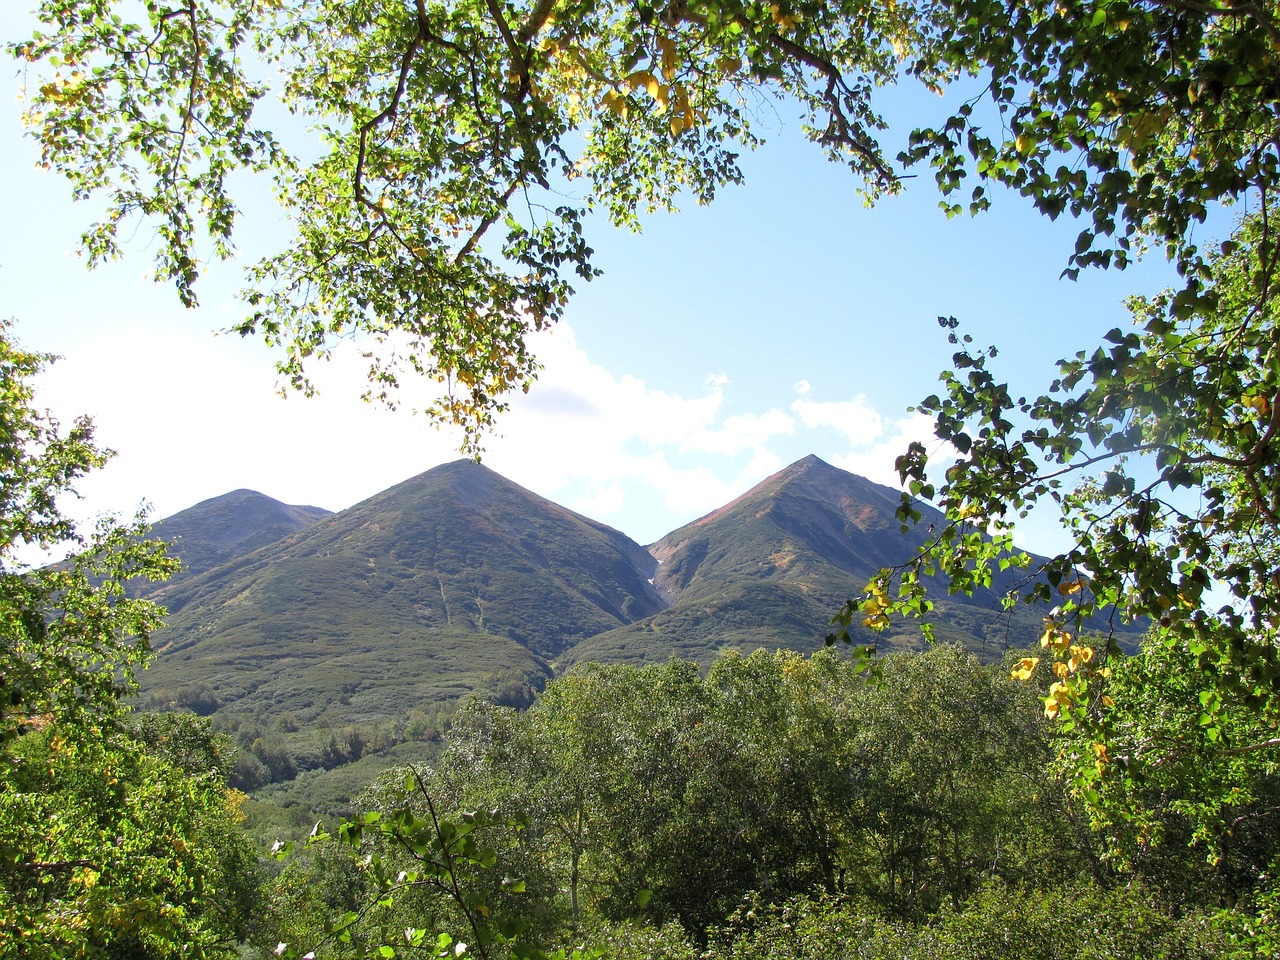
[439,215]
[70,639]
[116,837]
[1159,445]
[454,148]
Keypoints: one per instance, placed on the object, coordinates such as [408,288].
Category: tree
[435,222]
[72,640]
[114,837]
[1188,806]
[439,219]
[1159,446]
[951,786]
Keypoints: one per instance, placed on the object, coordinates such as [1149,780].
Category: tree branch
[538,18]
[1233,9]
[388,112]
[188,112]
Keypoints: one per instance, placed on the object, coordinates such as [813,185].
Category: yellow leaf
[786,21]
[1082,653]
[1025,669]
[615,102]
[640,80]
[1070,587]
[668,49]
[1257,404]
[1054,637]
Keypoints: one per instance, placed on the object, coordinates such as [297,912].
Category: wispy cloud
[194,416]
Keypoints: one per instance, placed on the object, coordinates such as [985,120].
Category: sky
[721,344]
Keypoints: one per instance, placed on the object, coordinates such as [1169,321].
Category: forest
[779,804]
[790,806]
[1074,802]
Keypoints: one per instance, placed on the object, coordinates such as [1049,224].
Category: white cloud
[853,418]
[874,442]
[740,434]
[194,416]
[875,460]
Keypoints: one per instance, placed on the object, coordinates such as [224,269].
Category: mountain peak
[810,462]
[228,526]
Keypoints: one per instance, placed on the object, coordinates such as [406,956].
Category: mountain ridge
[458,581]
[222,528]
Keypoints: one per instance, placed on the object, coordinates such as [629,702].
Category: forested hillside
[439,166]
[351,639]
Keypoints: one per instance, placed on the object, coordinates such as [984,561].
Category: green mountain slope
[453,582]
[459,581]
[345,644]
[770,568]
[222,528]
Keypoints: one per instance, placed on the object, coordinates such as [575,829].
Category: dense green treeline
[790,806]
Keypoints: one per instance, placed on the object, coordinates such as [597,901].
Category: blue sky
[721,344]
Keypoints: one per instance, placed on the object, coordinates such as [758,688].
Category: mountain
[459,581]
[456,581]
[222,528]
[770,568]
[344,645]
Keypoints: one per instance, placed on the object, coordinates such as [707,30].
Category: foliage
[653,792]
[1184,798]
[939,813]
[122,846]
[1159,445]
[781,807]
[1170,431]
[1075,920]
[437,216]
[72,642]
[115,837]
[414,874]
